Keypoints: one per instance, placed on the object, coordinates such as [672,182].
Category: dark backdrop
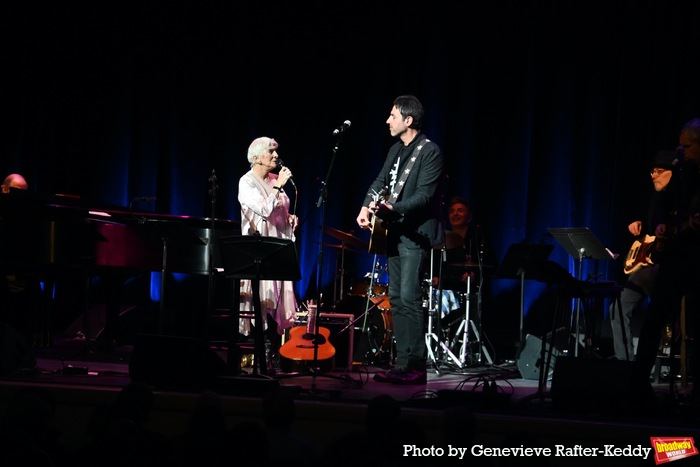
[548,112]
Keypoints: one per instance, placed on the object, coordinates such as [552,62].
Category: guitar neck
[311,321]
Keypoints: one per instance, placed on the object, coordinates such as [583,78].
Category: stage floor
[586,408]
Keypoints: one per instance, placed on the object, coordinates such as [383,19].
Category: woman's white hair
[260,146]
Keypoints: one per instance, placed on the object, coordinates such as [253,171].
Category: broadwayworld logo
[673,449]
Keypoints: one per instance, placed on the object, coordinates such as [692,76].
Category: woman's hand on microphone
[284,175]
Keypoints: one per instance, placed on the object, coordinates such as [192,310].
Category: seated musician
[20,291]
[458,256]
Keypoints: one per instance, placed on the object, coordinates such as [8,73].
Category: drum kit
[366,300]
[454,339]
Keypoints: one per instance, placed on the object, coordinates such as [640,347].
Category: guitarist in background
[679,273]
[644,265]
[413,172]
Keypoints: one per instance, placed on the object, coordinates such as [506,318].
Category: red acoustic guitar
[297,354]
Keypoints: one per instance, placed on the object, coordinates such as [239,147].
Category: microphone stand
[213,187]
[321,203]
[317,337]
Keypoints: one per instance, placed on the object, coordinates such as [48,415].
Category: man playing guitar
[642,260]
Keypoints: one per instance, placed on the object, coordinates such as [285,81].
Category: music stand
[520,260]
[257,258]
[581,244]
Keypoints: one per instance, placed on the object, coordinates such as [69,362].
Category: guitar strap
[407,170]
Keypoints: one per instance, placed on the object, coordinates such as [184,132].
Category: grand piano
[50,235]
[44,230]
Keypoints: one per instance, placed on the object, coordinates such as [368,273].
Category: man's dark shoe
[388,376]
[410,377]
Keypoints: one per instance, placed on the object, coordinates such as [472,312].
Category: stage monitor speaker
[175,363]
[15,352]
[591,385]
[529,361]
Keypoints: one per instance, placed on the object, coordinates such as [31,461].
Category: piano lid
[109,236]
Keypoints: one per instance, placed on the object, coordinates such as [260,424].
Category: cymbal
[342,247]
[346,238]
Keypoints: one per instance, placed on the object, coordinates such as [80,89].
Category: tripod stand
[431,338]
[464,331]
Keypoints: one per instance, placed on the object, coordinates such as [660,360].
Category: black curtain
[548,112]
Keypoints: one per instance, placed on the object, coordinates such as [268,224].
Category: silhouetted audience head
[278,408]
[26,434]
[135,402]
[381,411]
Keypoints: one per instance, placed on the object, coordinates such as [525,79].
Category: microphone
[282,165]
[346,124]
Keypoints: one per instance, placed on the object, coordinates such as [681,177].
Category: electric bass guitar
[639,254]
[297,353]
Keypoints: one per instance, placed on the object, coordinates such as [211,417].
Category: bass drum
[373,331]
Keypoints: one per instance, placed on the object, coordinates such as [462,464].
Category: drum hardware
[348,244]
[430,337]
[376,330]
[464,329]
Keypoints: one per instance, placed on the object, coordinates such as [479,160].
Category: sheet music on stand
[581,243]
[258,258]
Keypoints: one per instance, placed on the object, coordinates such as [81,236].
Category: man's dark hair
[410,106]
[692,129]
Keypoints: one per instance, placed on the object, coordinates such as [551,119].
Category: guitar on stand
[297,354]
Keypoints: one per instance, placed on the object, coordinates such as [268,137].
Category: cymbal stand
[464,325]
[483,352]
[464,328]
[369,295]
[432,311]
[339,291]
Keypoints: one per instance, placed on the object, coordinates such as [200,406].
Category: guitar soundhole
[314,338]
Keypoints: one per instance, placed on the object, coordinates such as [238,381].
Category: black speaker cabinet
[15,353]
[175,363]
[591,385]
[529,359]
